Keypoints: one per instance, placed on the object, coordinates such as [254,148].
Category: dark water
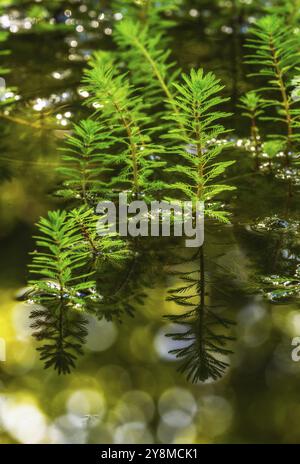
[126,388]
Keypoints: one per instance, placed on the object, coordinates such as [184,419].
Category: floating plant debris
[277,289]
[275,224]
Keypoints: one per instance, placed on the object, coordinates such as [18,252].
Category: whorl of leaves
[61,291]
[203,340]
[276,56]
[148,58]
[119,105]
[197,139]
[86,162]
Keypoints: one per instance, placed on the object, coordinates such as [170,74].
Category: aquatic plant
[116,137]
[287,9]
[281,281]
[280,288]
[103,248]
[117,103]
[197,135]
[86,160]
[148,58]
[69,254]
[131,143]
[61,291]
[275,54]
[252,105]
[272,148]
[202,352]
[197,138]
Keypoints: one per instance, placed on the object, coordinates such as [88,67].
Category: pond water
[126,387]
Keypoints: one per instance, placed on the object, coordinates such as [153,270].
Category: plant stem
[254,136]
[285,101]
[87,236]
[199,152]
[61,298]
[201,306]
[133,147]
[157,73]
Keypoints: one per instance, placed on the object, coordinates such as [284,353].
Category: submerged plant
[281,288]
[148,56]
[102,245]
[69,255]
[63,292]
[288,9]
[203,345]
[197,138]
[271,149]
[86,162]
[199,145]
[276,54]
[149,133]
[118,105]
[252,105]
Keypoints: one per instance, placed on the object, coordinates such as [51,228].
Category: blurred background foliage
[126,388]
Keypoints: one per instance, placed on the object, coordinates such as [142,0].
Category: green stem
[201,306]
[254,136]
[199,149]
[133,147]
[157,73]
[285,101]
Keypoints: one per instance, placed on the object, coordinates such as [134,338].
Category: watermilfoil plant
[276,56]
[148,58]
[118,106]
[199,139]
[252,105]
[162,140]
